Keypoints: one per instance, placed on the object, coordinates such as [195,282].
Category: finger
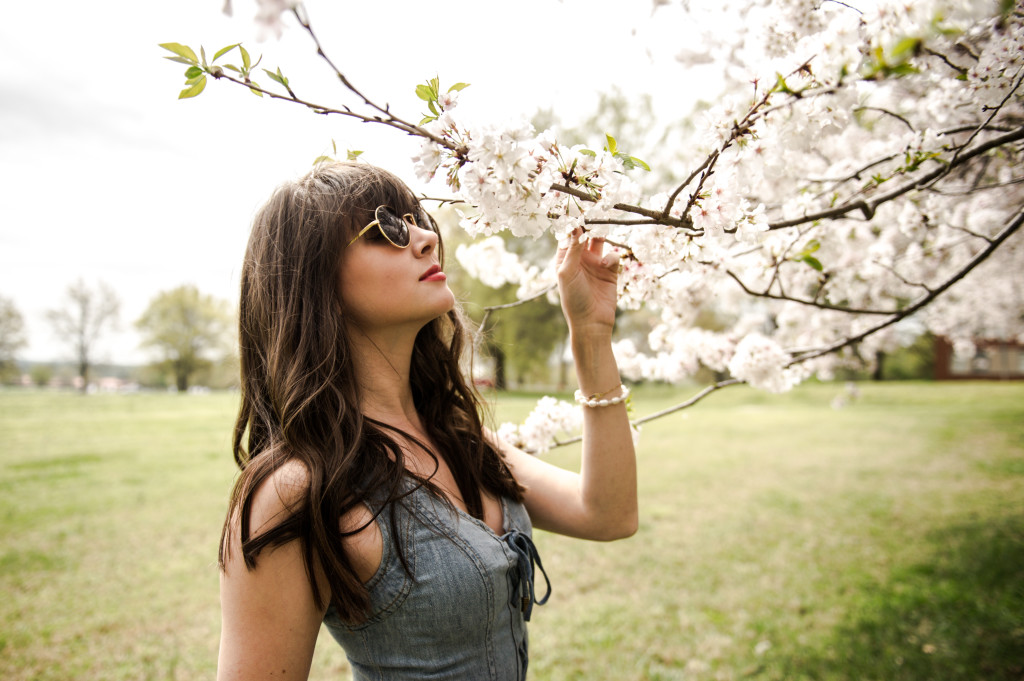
[612,261]
[563,246]
[596,245]
[569,257]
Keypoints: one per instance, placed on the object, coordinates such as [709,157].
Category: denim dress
[461,613]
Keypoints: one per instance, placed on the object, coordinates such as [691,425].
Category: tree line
[187,330]
[192,333]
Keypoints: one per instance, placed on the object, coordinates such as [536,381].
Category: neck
[382,366]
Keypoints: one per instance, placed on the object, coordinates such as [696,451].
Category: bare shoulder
[278,496]
[269,615]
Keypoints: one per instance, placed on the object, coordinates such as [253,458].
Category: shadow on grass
[958,617]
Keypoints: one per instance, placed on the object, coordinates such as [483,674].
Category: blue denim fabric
[462,613]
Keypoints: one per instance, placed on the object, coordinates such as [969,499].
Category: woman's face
[387,288]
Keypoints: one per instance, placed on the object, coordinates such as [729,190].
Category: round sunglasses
[395,228]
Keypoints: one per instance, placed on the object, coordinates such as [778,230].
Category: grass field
[779,539]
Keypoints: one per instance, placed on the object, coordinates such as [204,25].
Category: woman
[371,498]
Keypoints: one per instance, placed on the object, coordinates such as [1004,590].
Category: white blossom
[762,363]
[549,418]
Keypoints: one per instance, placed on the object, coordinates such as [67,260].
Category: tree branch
[656,216]
[868,207]
[810,303]
[925,300]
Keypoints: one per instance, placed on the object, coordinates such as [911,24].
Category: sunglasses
[395,228]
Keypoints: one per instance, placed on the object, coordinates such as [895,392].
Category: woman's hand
[588,285]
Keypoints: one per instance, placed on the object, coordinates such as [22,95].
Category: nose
[423,241]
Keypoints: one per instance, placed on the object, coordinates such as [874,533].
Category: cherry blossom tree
[861,171]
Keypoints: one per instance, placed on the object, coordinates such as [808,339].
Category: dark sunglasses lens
[393,227]
[426,222]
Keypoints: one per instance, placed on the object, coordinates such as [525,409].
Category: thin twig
[995,110]
[304,22]
[888,113]
[521,301]
[665,412]
[326,110]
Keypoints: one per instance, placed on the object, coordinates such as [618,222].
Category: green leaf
[428,119]
[233,68]
[181,60]
[182,51]
[813,262]
[224,50]
[425,93]
[321,159]
[631,162]
[193,71]
[353,154]
[812,246]
[458,87]
[435,85]
[780,84]
[277,77]
[202,54]
[246,62]
[433,109]
[588,152]
[255,92]
[902,70]
[195,79]
[612,146]
[194,90]
[905,48]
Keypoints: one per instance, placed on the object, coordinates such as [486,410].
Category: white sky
[105,175]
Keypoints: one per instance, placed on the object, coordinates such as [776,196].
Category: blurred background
[867,528]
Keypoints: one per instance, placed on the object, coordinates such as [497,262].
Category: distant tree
[12,337]
[521,339]
[86,314]
[41,374]
[187,328]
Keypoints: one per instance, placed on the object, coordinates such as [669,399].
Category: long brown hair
[299,395]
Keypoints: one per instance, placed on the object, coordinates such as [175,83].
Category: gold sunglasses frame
[376,223]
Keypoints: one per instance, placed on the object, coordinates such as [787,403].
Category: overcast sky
[106,176]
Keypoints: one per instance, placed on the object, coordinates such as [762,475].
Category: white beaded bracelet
[592,401]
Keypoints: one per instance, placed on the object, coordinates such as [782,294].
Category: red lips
[434,270]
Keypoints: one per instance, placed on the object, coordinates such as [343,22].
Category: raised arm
[600,502]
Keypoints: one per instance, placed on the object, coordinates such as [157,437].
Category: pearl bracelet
[593,400]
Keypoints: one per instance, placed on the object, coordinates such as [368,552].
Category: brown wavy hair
[298,389]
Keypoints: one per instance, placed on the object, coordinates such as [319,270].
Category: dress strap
[526,557]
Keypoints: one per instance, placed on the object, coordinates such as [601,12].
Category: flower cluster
[548,419]
[834,182]
[508,174]
[763,364]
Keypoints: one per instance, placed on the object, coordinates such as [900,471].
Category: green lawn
[779,539]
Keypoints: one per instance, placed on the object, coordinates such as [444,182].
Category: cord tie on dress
[526,557]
